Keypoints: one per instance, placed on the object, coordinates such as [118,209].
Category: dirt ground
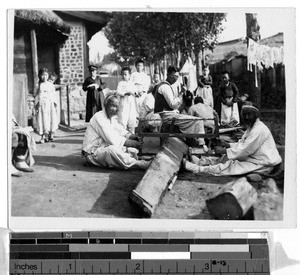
[63,185]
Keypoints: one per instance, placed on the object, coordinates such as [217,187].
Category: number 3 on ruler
[206,266]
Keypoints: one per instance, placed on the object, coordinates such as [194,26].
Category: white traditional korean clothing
[127,112]
[255,152]
[142,83]
[147,112]
[46,115]
[103,143]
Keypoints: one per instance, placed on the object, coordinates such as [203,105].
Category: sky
[270,21]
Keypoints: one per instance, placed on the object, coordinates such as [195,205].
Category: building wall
[23,58]
[72,64]
[71,56]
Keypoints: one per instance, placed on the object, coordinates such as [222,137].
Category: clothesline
[263,56]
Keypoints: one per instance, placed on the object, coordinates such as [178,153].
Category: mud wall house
[74,54]
[37,38]
[56,40]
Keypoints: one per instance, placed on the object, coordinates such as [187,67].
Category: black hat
[92,68]
[171,69]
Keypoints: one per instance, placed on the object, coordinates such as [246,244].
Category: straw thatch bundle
[42,18]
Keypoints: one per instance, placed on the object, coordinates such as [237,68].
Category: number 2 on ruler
[137,266]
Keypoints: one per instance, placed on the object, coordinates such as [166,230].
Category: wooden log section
[269,206]
[232,201]
[152,187]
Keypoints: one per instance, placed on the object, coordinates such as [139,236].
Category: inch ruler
[133,253]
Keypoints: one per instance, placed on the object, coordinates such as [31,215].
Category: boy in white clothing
[141,81]
[127,91]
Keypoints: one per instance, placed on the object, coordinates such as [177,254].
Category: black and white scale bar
[139,266]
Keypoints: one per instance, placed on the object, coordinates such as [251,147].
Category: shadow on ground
[113,201]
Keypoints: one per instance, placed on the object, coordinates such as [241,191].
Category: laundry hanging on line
[263,56]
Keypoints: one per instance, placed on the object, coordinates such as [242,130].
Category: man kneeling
[255,152]
[107,143]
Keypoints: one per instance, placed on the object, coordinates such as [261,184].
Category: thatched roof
[96,17]
[42,18]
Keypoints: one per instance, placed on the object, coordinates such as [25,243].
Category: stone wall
[71,56]
[72,66]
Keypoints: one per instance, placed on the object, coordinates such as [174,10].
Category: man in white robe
[255,152]
[107,143]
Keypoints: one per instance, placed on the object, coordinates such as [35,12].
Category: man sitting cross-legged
[107,143]
[255,152]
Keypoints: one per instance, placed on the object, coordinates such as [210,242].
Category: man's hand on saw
[134,137]
[219,150]
[133,143]
[223,143]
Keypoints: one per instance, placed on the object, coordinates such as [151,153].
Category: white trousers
[224,167]
[113,157]
[127,113]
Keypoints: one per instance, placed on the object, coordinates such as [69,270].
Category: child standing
[127,90]
[52,77]
[142,83]
[55,97]
[95,97]
[204,89]
[46,113]
[227,107]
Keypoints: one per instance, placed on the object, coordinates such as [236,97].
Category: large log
[232,201]
[152,187]
[269,205]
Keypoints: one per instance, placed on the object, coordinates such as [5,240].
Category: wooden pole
[34,56]
[68,105]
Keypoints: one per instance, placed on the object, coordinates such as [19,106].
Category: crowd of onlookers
[113,117]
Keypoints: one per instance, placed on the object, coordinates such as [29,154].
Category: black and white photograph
[153,116]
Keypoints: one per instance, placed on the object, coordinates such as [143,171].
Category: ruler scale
[138,253]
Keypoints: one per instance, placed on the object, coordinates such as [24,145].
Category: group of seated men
[108,144]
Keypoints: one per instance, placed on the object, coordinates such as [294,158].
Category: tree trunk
[255,79]
[252,26]
[198,63]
